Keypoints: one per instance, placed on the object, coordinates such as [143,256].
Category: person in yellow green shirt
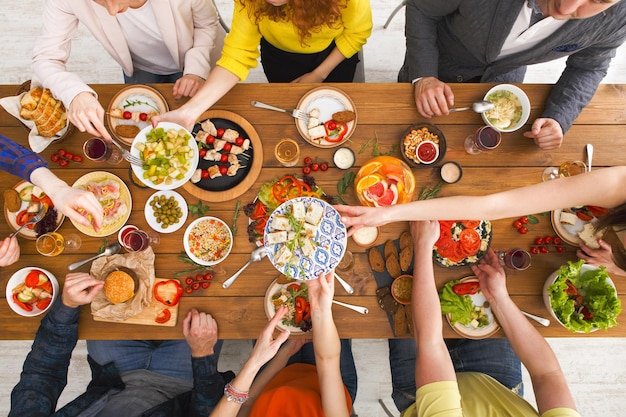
[440,389]
[308,41]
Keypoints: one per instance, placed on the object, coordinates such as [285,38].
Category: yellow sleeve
[241,46]
[357,22]
[441,399]
[561,412]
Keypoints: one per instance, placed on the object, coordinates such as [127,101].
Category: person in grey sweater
[493,42]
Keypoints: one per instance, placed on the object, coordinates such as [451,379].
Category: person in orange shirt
[326,387]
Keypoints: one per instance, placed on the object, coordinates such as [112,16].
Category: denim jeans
[145,77]
[168,357]
[494,357]
[346,363]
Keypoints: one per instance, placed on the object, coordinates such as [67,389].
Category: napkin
[142,264]
[37,143]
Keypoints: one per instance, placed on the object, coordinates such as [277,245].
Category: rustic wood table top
[384,112]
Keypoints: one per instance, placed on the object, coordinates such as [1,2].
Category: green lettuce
[460,307]
[599,297]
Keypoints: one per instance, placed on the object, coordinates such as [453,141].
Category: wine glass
[517,259]
[566,169]
[72,242]
[484,139]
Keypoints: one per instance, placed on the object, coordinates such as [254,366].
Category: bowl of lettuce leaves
[582,298]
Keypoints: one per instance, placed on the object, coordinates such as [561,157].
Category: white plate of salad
[467,310]
[294,295]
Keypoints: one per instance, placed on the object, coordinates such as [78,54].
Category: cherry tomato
[228,147]
[308,160]
[534,250]
[324,166]
[220,132]
[224,158]
[69,155]
[143,117]
[127,115]
[202,152]
[54,157]
[63,163]
[189,280]
[523,230]
[523,220]
[204,174]
[77,158]
[208,276]
[210,140]
[332,125]
[61,152]
[315,166]
[198,277]
[543,249]
[195,286]
[205,284]
[560,249]
[517,224]
[188,289]
[239,141]
[223,170]
[306,170]
[539,241]
[557,240]
[547,240]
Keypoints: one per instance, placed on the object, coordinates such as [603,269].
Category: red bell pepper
[259,211]
[164,316]
[335,131]
[168,292]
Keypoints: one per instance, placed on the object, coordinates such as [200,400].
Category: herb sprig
[233,226]
[197,268]
[375,147]
[344,183]
[130,103]
[426,193]
[198,209]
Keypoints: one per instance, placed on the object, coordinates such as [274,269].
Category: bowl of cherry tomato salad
[31,291]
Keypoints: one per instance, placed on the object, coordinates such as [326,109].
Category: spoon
[255,256]
[540,320]
[112,249]
[344,284]
[358,309]
[478,107]
[589,149]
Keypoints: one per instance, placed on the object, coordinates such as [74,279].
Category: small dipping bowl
[366,236]
[427,152]
[402,288]
[344,158]
[451,172]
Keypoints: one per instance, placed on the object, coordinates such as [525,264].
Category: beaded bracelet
[234,395]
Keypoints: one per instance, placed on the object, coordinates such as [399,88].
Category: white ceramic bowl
[524,101]
[149,212]
[193,163]
[546,297]
[18,278]
[218,223]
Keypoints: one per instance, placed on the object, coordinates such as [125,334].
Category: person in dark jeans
[187,383]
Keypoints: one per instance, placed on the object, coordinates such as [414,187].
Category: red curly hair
[308,16]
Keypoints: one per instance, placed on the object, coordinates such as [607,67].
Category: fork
[35,219]
[297,113]
[127,155]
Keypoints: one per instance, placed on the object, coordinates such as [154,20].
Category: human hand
[87,115]
[179,116]
[266,345]
[601,256]
[309,77]
[9,251]
[425,233]
[433,97]
[547,133]
[200,331]
[321,292]
[187,86]
[77,205]
[360,216]
[293,346]
[79,289]
[491,277]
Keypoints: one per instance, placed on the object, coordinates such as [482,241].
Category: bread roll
[119,287]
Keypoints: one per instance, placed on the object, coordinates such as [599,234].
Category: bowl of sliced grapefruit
[384,181]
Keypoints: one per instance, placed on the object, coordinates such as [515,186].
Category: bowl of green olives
[166,211]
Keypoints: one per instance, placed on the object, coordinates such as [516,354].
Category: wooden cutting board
[148,314]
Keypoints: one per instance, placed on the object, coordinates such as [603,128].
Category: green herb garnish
[427,193]
[344,183]
[198,209]
[233,226]
[129,103]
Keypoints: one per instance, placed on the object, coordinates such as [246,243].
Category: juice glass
[50,244]
[287,152]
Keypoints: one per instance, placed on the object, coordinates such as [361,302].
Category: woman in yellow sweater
[301,41]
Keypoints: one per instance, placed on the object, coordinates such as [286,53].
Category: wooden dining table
[384,111]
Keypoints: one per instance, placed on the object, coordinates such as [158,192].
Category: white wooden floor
[595,368]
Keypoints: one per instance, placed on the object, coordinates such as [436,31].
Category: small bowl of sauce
[427,152]
[402,288]
[344,158]
[451,172]
[366,236]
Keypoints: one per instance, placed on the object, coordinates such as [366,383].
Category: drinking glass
[347,262]
[517,259]
[566,169]
[287,152]
[72,242]
[50,244]
[484,139]
[138,240]
[99,150]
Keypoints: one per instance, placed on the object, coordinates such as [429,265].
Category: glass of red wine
[138,240]
[517,259]
[485,138]
[99,150]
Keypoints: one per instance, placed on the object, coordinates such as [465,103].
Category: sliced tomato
[446,224]
[259,211]
[23,306]
[446,247]
[597,210]
[466,288]
[22,217]
[164,316]
[43,303]
[470,240]
[32,279]
[470,224]
[47,287]
[458,255]
[294,287]
[583,216]
[571,288]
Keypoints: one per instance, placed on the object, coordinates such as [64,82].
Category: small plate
[149,212]
[331,238]
[208,238]
[18,278]
[138,169]
[568,232]
[11,217]
[112,223]
[328,100]
[432,129]
[226,188]
[135,98]
[485,232]
[470,332]
[270,311]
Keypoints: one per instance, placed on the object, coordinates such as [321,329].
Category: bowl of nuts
[430,153]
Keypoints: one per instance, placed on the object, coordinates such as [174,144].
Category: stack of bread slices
[44,110]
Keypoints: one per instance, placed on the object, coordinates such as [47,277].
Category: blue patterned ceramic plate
[328,240]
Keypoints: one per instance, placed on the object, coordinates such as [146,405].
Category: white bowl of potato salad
[208,240]
[169,154]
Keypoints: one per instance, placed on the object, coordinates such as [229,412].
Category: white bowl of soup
[511,108]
